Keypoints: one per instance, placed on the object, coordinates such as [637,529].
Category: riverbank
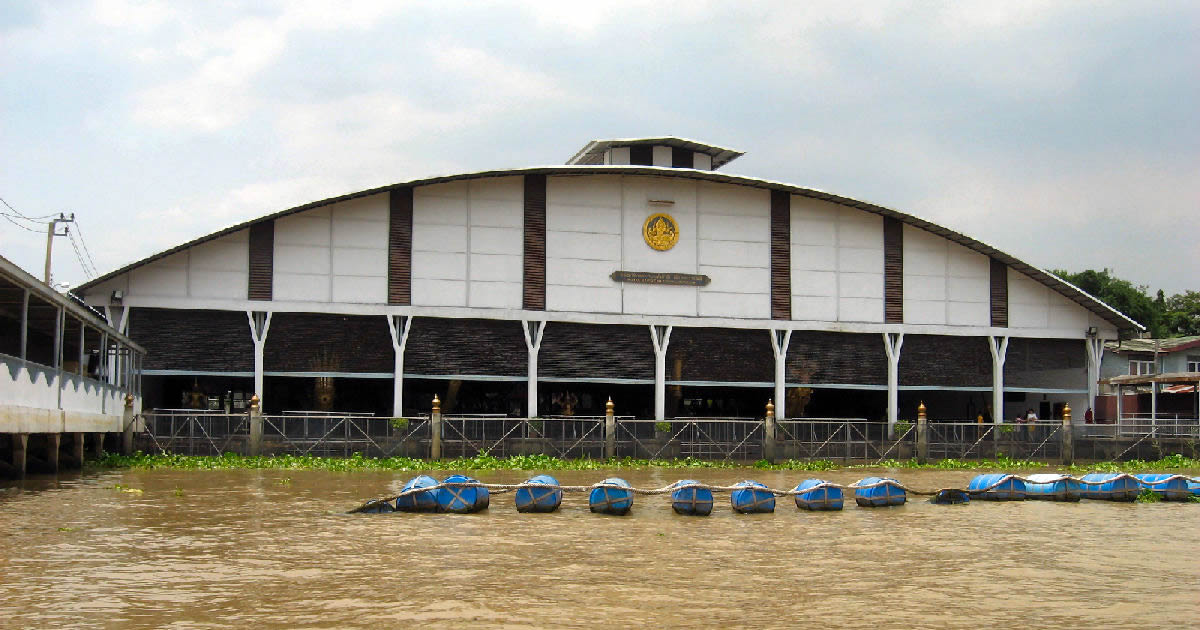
[144,461]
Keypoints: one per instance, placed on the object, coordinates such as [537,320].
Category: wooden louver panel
[781,255]
[400,227]
[682,158]
[893,271]
[262,261]
[534,282]
[999,293]
[641,155]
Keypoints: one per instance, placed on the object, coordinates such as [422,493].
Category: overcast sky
[1065,134]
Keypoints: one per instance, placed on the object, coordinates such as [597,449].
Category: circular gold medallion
[660,231]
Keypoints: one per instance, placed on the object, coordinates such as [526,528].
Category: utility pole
[50,234]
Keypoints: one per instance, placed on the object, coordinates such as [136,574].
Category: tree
[1120,294]
[1182,316]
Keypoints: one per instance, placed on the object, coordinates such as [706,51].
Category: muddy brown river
[267,549]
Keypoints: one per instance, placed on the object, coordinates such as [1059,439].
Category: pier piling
[127,420]
[769,432]
[20,445]
[1068,437]
[610,429]
[922,434]
[435,430]
[256,426]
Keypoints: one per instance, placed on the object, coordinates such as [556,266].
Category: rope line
[501,488]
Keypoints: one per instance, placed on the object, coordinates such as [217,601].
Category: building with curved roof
[636,271]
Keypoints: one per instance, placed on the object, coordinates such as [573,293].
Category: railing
[839,438]
[342,435]
[25,383]
[727,439]
[212,433]
[196,432]
[561,436]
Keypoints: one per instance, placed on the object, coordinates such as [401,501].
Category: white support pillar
[999,348]
[892,343]
[661,336]
[533,343]
[260,324]
[24,324]
[1095,354]
[398,326]
[119,321]
[779,347]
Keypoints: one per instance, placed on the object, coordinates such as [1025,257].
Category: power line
[23,227]
[19,214]
[79,233]
[83,264]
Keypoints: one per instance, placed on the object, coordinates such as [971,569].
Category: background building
[636,271]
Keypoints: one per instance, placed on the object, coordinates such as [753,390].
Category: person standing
[1030,424]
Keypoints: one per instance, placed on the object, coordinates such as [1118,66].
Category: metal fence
[838,438]
[736,439]
[560,436]
[214,433]
[196,432]
[345,434]
[728,439]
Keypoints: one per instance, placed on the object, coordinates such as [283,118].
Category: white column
[260,324]
[121,323]
[398,326]
[892,343]
[533,343]
[779,346]
[1095,354]
[999,349]
[661,336]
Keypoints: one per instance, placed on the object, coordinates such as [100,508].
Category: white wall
[735,251]
[583,243]
[1033,305]
[944,282]
[837,262]
[468,243]
[333,254]
[594,227]
[215,269]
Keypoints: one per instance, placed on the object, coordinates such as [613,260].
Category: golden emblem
[660,231]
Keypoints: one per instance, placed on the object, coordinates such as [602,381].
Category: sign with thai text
[650,277]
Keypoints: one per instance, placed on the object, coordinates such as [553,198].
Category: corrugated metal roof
[1169,344]
[1145,379]
[72,305]
[1075,294]
[592,153]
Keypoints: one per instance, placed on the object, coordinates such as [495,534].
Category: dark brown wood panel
[400,223]
[781,255]
[641,155]
[262,261]
[999,293]
[893,271]
[534,284]
[682,158]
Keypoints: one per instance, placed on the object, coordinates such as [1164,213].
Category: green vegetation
[1170,462]
[1175,316]
[1146,495]
[816,465]
[662,427]
[229,461]
[357,462]
[1002,462]
[399,424]
[902,427]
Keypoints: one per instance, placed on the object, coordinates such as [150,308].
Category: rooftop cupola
[667,151]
